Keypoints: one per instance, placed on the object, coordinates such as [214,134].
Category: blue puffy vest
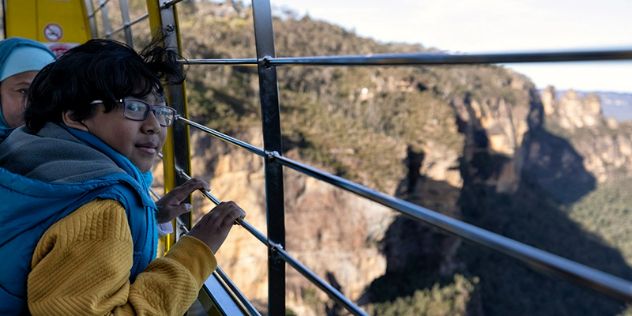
[29,207]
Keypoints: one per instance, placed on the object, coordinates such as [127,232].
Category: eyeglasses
[138,110]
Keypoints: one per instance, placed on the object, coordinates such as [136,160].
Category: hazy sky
[497,26]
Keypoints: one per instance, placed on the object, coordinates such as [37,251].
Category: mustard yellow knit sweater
[81,267]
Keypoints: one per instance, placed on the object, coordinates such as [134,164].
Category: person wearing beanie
[20,61]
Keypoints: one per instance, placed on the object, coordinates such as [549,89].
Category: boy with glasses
[79,227]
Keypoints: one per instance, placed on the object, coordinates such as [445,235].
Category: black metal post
[270,113]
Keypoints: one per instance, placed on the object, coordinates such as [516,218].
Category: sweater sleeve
[81,266]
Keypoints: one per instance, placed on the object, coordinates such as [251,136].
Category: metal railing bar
[449,59]
[537,259]
[127,25]
[235,291]
[332,292]
[234,141]
[231,61]
[423,59]
[170,3]
[106,20]
[118,29]
[239,221]
[101,5]
[129,38]
[324,286]
[244,302]
[140,18]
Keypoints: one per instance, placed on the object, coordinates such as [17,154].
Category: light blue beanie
[18,55]
[25,58]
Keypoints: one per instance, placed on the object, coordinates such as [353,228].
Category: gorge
[477,143]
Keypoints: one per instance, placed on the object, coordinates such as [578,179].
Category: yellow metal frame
[30,18]
[155,23]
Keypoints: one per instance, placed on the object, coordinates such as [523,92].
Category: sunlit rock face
[604,144]
[496,126]
[576,112]
[332,232]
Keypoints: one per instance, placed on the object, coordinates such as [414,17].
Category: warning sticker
[53,32]
[60,48]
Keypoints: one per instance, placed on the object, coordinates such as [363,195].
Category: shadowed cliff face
[552,163]
[421,257]
[552,177]
[531,216]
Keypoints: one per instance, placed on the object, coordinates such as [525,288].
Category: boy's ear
[70,122]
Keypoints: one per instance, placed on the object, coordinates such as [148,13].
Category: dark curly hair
[98,70]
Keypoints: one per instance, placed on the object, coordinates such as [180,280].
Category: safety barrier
[163,13]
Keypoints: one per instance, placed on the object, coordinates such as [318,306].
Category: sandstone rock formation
[445,138]
[333,232]
[605,145]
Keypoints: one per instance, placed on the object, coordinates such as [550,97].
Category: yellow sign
[58,24]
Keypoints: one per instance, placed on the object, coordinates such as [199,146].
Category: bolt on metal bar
[234,141]
[231,61]
[101,5]
[245,304]
[449,59]
[326,287]
[537,259]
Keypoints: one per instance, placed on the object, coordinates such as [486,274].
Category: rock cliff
[472,142]
[605,145]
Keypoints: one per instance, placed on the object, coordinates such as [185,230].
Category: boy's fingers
[170,212]
[182,191]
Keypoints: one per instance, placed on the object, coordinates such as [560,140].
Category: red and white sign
[53,32]
[60,48]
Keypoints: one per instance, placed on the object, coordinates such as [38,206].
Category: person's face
[12,92]
[139,141]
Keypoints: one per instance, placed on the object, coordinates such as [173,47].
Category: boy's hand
[170,206]
[214,227]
